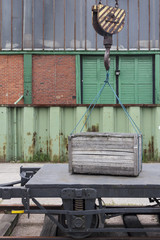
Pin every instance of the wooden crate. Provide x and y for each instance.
(105, 153)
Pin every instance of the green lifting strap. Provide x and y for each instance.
(94, 102)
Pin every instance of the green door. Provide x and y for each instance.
(135, 83)
(94, 75)
(136, 79)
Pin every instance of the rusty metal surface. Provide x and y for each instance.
(54, 22)
(43, 27)
(22, 22)
(127, 24)
(32, 24)
(138, 26)
(149, 23)
(75, 25)
(87, 6)
(64, 25)
(11, 24)
(78, 105)
(43, 130)
(106, 22)
(85, 24)
(109, 19)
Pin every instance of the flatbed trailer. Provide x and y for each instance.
(83, 212)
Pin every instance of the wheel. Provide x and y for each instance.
(78, 235)
(49, 227)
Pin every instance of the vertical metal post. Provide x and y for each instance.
(11, 24)
(54, 24)
(138, 25)
(153, 59)
(22, 21)
(32, 25)
(64, 25)
(149, 14)
(75, 25)
(85, 24)
(15, 132)
(128, 24)
(159, 24)
(0, 24)
(43, 24)
(95, 31)
(117, 78)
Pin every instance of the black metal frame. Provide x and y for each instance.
(80, 222)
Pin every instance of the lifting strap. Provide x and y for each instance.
(94, 102)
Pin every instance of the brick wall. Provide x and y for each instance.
(11, 78)
(54, 79)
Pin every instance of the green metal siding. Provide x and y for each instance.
(135, 84)
(136, 79)
(157, 78)
(27, 79)
(94, 75)
(28, 130)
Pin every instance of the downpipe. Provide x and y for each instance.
(15, 127)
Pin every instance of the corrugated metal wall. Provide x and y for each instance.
(27, 130)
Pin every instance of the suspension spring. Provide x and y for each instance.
(78, 204)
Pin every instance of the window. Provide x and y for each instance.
(67, 25)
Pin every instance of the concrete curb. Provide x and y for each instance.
(8, 223)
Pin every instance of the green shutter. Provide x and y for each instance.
(136, 80)
(27, 79)
(94, 75)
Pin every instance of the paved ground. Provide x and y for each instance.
(33, 226)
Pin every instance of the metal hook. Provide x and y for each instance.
(107, 59)
(107, 43)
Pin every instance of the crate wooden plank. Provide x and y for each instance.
(105, 153)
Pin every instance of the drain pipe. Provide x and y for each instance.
(15, 127)
(19, 99)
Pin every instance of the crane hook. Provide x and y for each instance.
(107, 43)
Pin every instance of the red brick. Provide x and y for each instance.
(11, 78)
(54, 79)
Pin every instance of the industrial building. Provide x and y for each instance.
(51, 68)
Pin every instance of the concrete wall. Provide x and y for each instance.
(27, 130)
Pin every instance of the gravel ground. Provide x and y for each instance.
(29, 227)
(33, 225)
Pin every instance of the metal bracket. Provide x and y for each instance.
(27, 173)
(84, 193)
(12, 192)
